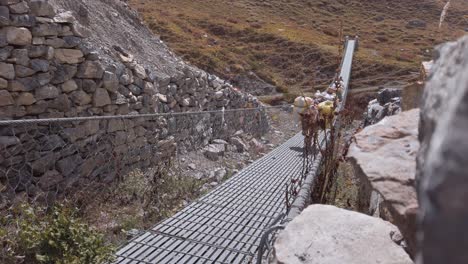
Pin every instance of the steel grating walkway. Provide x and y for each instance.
(225, 225)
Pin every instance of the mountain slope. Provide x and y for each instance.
(294, 44)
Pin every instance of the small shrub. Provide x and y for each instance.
(36, 236)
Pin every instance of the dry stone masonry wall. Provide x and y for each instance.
(49, 69)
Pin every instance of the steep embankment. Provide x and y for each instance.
(293, 44)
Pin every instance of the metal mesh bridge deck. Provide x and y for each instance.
(225, 225)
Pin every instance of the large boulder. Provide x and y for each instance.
(324, 234)
(214, 151)
(443, 159)
(384, 156)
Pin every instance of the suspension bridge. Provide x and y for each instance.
(227, 224)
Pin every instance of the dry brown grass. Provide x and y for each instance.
(293, 44)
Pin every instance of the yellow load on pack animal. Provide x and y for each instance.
(327, 110)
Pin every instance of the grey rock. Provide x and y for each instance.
(47, 92)
(12, 111)
(7, 141)
(20, 56)
(38, 41)
(220, 174)
(38, 108)
(80, 98)
(25, 99)
(80, 31)
(4, 16)
(22, 71)
(56, 43)
(69, 56)
(61, 103)
(87, 85)
(443, 160)
(93, 56)
(40, 65)
(42, 78)
(162, 98)
(134, 89)
(19, 8)
(115, 125)
(7, 71)
(6, 98)
(67, 165)
(3, 42)
(63, 73)
(38, 51)
(240, 144)
(65, 18)
(3, 83)
(120, 99)
(71, 42)
(256, 145)
(49, 180)
(126, 78)
(41, 8)
(90, 70)
(101, 98)
(416, 23)
(19, 36)
(23, 21)
(325, 234)
(219, 141)
(5, 53)
(386, 95)
(110, 81)
(45, 163)
(140, 72)
(69, 86)
(150, 89)
(214, 151)
(384, 157)
(46, 30)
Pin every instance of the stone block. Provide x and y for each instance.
(101, 98)
(7, 71)
(4, 16)
(23, 21)
(41, 8)
(69, 86)
(19, 36)
(20, 56)
(69, 56)
(25, 99)
(90, 70)
(19, 8)
(5, 52)
(22, 71)
(80, 98)
(46, 30)
(67, 165)
(47, 92)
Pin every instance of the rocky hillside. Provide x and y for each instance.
(293, 44)
(95, 58)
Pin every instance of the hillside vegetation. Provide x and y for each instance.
(294, 43)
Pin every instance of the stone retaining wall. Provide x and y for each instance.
(47, 70)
